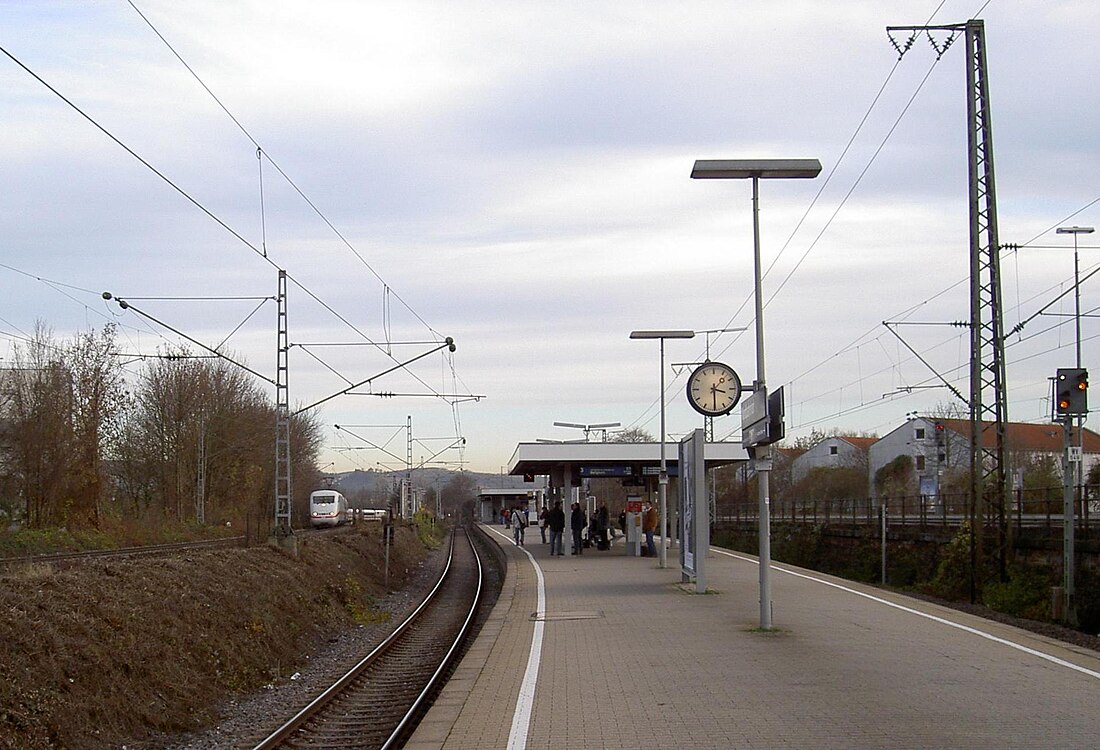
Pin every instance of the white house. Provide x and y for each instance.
(832, 452)
(939, 445)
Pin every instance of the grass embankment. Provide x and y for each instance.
(106, 653)
(112, 534)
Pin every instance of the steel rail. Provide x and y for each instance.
(448, 657)
(291, 726)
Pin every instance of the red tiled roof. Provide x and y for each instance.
(863, 443)
(1039, 438)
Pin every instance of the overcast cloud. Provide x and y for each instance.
(518, 175)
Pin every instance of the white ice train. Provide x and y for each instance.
(327, 508)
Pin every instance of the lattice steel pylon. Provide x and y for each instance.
(282, 421)
(409, 505)
(988, 397)
(200, 473)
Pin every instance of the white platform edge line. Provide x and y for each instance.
(521, 716)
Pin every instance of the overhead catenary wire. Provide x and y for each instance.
(61, 288)
(127, 306)
(263, 154)
(892, 129)
(194, 201)
(859, 341)
(1040, 312)
(208, 212)
(844, 152)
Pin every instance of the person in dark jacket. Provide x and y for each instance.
(555, 520)
(577, 524)
(603, 526)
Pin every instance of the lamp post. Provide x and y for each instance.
(662, 478)
(757, 169)
(1076, 279)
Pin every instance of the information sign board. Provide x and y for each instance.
(776, 411)
(755, 435)
(694, 510)
(754, 409)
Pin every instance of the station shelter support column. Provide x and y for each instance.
(561, 489)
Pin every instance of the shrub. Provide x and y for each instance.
(1025, 594)
(952, 579)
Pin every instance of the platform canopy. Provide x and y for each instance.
(613, 459)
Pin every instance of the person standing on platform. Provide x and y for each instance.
(603, 525)
(649, 525)
(519, 523)
(555, 519)
(576, 523)
(542, 523)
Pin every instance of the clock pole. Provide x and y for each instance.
(761, 454)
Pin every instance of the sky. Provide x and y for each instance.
(516, 176)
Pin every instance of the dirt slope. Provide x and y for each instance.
(101, 653)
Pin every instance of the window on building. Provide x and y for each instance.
(832, 450)
(918, 433)
(920, 463)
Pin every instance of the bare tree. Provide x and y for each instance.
(39, 406)
(632, 435)
(459, 495)
(204, 428)
(98, 397)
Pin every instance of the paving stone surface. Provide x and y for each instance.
(632, 658)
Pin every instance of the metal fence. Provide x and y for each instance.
(1030, 508)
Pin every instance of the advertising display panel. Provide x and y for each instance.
(694, 511)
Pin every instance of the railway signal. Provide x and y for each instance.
(1071, 391)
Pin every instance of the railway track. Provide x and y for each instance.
(378, 702)
(145, 551)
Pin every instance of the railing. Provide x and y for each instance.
(1029, 508)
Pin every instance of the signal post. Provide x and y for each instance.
(1071, 389)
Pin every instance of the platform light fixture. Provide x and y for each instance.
(662, 479)
(756, 170)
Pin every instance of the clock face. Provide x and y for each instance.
(713, 389)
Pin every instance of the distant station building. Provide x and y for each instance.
(567, 465)
(491, 502)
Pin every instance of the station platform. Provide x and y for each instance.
(604, 650)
